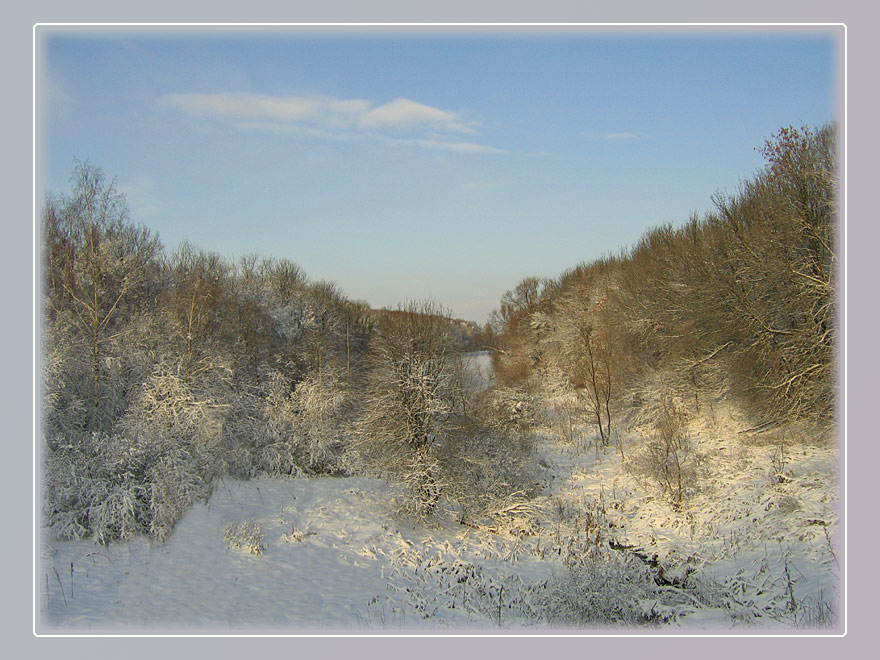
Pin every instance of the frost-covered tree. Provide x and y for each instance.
(98, 268)
(197, 305)
(413, 400)
(323, 325)
(778, 264)
(514, 323)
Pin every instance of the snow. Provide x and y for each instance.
(754, 548)
(350, 547)
(334, 558)
(740, 530)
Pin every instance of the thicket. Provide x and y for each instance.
(424, 427)
(739, 305)
(162, 371)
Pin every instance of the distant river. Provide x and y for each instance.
(479, 367)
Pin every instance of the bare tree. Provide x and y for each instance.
(596, 372)
(97, 265)
(778, 262)
(583, 343)
(283, 278)
(358, 326)
(514, 324)
(197, 303)
(323, 324)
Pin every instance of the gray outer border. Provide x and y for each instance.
(18, 399)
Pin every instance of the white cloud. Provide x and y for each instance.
(281, 128)
(333, 119)
(482, 184)
(460, 147)
(619, 136)
(406, 113)
(143, 203)
(612, 136)
(242, 106)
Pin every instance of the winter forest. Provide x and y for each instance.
(646, 442)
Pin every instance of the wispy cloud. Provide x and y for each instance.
(402, 113)
(611, 136)
(449, 145)
(482, 185)
(233, 106)
(620, 136)
(400, 122)
(141, 196)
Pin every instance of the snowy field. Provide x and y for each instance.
(759, 552)
(331, 558)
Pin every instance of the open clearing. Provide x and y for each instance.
(750, 550)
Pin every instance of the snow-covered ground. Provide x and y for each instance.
(761, 551)
(766, 544)
(331, 553)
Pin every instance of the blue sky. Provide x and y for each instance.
(414, 164)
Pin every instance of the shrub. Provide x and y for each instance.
(245, 535)
(116, 487)
(414, 402)
(669, 458)
(492, 477)
(321, 402)
(510, 412)
(604, 592)
(305, 424)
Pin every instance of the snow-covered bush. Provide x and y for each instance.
(186, 409)
(669, 457)
(305, 424)
(245, 535)
(244, 430)
(492, 478)
(295, 535)
(607, 591)
(176, 481)
(322, 402)
(412, 404)
(142, 477)
(116, 487)
(65, 376)
(511, 411)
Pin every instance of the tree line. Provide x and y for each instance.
(163, 371)
(738, 305)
